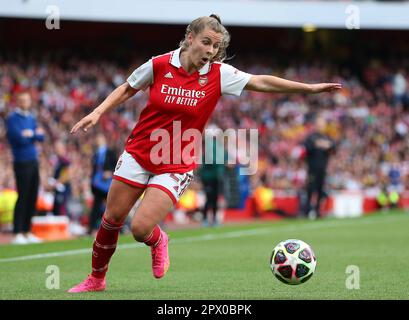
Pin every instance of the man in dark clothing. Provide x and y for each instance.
(22, 133)
(318, 148)
(61, 180)
(103, 165)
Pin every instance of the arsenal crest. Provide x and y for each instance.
(203, 81)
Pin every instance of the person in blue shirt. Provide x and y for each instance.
(22, 134)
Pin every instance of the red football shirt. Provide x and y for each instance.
(165, 139)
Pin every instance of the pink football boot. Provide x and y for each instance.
(160, 257)
(89, 285)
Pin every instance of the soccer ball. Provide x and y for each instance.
(293, 261)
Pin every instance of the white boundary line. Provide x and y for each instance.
(208, 237)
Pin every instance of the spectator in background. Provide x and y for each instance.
(318, 147)
(399, 86)
(103, 165)
(211, 174)
(387, 199)
(22, 133)
(61, 180)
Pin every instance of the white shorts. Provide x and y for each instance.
(129, 171)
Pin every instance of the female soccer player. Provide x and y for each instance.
(184, 87)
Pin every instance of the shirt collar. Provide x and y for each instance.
(102, 149)
(22, 112)
(175, 61)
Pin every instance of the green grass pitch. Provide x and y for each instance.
(228, 262)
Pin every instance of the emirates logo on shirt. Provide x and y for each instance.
(203, 81)
(182, 96)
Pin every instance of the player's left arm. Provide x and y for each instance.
(266, 83)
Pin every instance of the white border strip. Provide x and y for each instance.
(323, 14)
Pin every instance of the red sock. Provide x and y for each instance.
(104, 247)
(154, 238)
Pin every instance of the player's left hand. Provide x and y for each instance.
(325, 87)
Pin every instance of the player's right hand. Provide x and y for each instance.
(87, 122)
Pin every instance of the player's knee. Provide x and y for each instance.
(140, 230)
(114, 216)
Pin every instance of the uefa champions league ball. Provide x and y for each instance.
(293, 261)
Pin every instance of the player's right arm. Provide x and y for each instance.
(118, 96)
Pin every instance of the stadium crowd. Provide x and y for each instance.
(368, 119)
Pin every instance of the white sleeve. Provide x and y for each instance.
(232, 80)
(142, 77)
